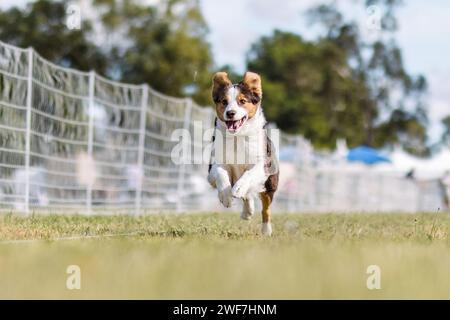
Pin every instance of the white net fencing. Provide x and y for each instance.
(75, 141)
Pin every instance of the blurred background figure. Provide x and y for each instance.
(446, 184)
(410, 174)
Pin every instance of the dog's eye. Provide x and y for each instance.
(242, 101)
(224, 102)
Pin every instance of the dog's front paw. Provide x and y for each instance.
(240, 189)
(225, 196)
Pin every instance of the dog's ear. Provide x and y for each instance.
(220, 82)
(253, 83)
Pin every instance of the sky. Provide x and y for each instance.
(423, 35)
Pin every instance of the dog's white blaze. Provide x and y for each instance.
(233, 105)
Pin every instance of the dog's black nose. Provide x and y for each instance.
(231, 114)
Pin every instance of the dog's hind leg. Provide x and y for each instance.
(266, 199)
(248, 208)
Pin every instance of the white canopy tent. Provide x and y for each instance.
(424, 169)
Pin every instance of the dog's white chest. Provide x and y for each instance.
(247, 152)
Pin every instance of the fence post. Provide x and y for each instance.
(90, 136)
(186, 123)
(140, 161)
(28, 129)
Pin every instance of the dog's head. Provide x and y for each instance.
(236, 103)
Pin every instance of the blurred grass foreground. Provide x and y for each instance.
(209, 256)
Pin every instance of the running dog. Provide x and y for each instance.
(240, 123)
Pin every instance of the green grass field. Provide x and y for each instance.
(218, 256)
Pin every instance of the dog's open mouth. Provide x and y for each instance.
(234, 125)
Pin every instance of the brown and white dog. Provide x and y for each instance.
(241, 122)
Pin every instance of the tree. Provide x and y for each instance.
(393, 99)
(42, 25)
(308, 88)
(403, 129)
(163, 45)
(342, 85)
(446, 135)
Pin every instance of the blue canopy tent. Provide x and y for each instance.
(366, 155)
